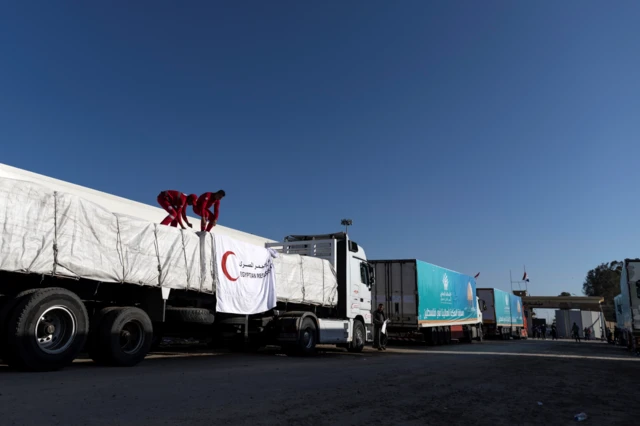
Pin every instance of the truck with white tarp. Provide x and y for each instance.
(75, 275)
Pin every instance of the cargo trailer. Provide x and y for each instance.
(426, 301)
(503, 318)
(628, 303)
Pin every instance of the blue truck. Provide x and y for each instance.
(504, 314)
(426, 301)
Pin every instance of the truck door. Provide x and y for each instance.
(360, 294)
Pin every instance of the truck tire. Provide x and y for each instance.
(124, 337)
(308, 337)
(47, 330)
(95, 351)
(190, 315)
(359, 337)
(447, 335)
(6, 308)
(430, 336)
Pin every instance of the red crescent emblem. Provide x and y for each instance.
(224, 266)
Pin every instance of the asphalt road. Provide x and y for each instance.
(492, 383)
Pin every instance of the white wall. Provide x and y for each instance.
(566, 318)
(118, 204)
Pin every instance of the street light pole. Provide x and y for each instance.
(346, 223)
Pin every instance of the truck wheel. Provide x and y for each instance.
(308, 337)
(96, 352)
(357, 345)
(447, 335)
(124, 337)
(47, 330)
(7, 307)
(430, 336)
(190, 315)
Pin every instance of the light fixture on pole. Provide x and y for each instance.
(346, 223)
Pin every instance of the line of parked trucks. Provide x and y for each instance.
(113, 287)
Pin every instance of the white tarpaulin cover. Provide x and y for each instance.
(47, 232)
(246, 278)
(304, 279)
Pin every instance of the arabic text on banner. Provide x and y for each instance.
(246, 277)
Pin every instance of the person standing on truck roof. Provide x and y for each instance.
(201, 208)
(379, 338)
(175, 203)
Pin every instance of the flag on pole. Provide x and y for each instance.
(525, 277)
(477, 275)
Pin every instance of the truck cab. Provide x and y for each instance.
(348, 323)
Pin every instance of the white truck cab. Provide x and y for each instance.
(348, 323)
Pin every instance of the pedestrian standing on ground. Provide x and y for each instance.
(576, 332)
(379, 338)
(554, 332)
(544, 331)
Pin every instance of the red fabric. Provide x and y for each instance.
(175, 203)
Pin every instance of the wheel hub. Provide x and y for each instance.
(131, 337)
(56, 329)
(49, 329)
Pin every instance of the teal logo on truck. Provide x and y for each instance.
(445, 296)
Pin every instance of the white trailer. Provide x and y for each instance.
(75, 276)
(628, 303)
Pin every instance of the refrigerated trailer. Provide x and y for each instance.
(427, 301)
(75, 276)
(504, 316)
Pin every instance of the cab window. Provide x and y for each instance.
(364, 273)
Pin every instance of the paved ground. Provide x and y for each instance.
(493, 383)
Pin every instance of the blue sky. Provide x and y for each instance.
(479, 136)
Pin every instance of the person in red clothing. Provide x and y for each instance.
(175, 203)
(202, 205)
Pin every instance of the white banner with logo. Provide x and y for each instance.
(246, 277)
